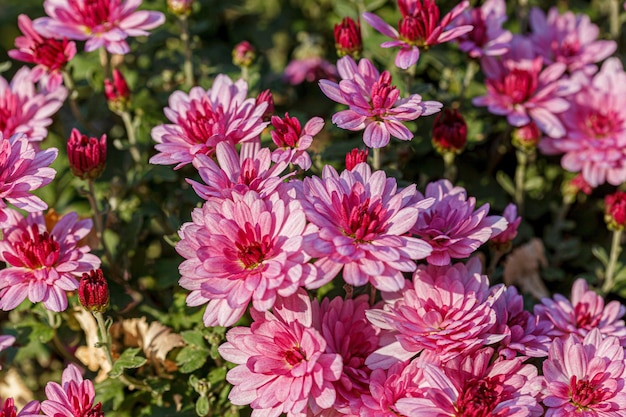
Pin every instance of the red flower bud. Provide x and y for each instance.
(348, 39)
(615, 210)
(527, 136)
(93, 291)
(87, 155)
(449, 132)
(180, 7)
(117, 91)
(265, 96)
(287, 131)
(244, 54)
(571, 188)
(355, 157)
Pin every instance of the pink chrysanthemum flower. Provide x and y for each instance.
(24, 109)
(23, 168)
(448, 311)
(520, 88)
(50, 55)
(504, 239)
(99, 22)
(281, 362)
(42, 264)
(585, 377)
(309, 69)
(74, 397)
(360, 223)
(488, 38)
(375, 104)
(595, 139)
(420, 27)
(202, 119)
(451, 225)
(348, 333)
(293, 140)
(586, 311)
(8, 409)
(243, 249)
(568, 38)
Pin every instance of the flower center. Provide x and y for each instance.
(95, 12)
(601, 125)
(568, 47)
(479, 398)
(250, 251)
(478, 35)
(584, 318)
(519, 85)
(96, 411)
(585, 393)
(38, 252)
(361, 221)
(295, 355)
(418, 24)
(201, 122)
(10, 113)
(51, 53)
(383, 94)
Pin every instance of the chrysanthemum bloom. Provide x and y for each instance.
(360, 223)
(585, 377)
(355, 157)
(474, 386)
(73, 397)
(451, 225)
(615, 210)
(502, 241)
(487, 38)
(448, 311)
(348, 333)
(281, 362)
(348, 40)
(87, 155)
(449, 132)
(568, 38)
(595, 138)
(420, 28)
(8, 409)
(50, 55)
(293, 141)
(243, 249)
(202, 119)
(308, 69)
(520, 88)
(99, 22)
(23, 168)
(24, 109)
(117, 92)
(250, 169)
(42, 264)
(375, 104)
(585, 312)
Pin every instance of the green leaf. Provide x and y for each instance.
(600, 253)
(505, 182)
(217, 375)
(203, 406)
(110, 390)
(127, 360)
(194, 337)
(191, 358)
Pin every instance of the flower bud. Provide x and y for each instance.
(503, 241)
(180, 7)
(615, 210)
(449, 132)
(87, 155)
(526, 137)
(117, 92)
(244, 54)
(286, 131)
(571, 188)
(265, 96)
(93, 291)
(355, 157)
(348, 39)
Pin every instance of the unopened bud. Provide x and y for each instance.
(526, 137)
(93, 291)
(244, 54)
(615, 210)
(265, 96)
(449, 132)
(355, 157)
(348, 40)
(117, 92)
(87, 156)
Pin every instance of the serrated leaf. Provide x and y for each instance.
(600, 253)
(194, 337)
(127, 360)
(110, 390)
(191, 358)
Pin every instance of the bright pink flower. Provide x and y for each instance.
(348, 40)
(308, 69)
(355, 157)
(359, 225)
(50, 55)
(585, 377)
(87, 155)
(42, 264)
(585, 312)
(595, 138)
(375, 104)
(243, 249)
(293, 141)
(487, 38)
(420, 27)
(8, 409)
(266, 96)
(451, 225)
(99, 22)
(281, 362)
(74, 397)
(615, 210)
(448, 311)
(117, 92)
(507, 236)
(23, 168)
(202, 119)
(568, 38)
(23, 109)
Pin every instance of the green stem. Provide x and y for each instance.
(132, 137)
(616, 248)
(449, 167)
(376, 159)
(188, 63)
(99, 226)
(470, 71)
(73, 96)
(520, 177)
(614, 24)
(104, 61)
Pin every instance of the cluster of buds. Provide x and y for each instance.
(348, 40)
(527, 137)
(615, 210)
(117, 92)
(449, 132)
(87, 156)
(93, 291)
(244, 54)
(355, 157)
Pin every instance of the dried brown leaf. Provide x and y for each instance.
(522, 268)
(93, 357)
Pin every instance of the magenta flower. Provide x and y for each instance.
(41, 264)
(202, 119)
(586, 311)
(74, 397)
(568, 38)
(359, 225)
(23, 168)
(451, 225)
(281, 362)
(505, 238)
(8, 409)
(50, 55)
(585, 377)
(595, 138)
(241, 250)
(375, 104)
(309, 69)
(293, 141)
(420, 27)
(99, 22)
(487, 38)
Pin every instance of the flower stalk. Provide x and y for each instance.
(616, 249)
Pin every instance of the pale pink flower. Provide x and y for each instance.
(507, 236)
(73, 397)
(99, 22)
(420, 27)
(293, 140)
(42, 264)
(568, 38)
(585, 377)
(202, 119)
(488, 38)
(585, 312)
(8, 409)
(359, 225)
(281, 362)
(23, 168)
(452, 226)
(375, 104)
(5, 342)
(448, 311)
(309, 69)
(595, 129)
(24, 109)
(243, 249)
